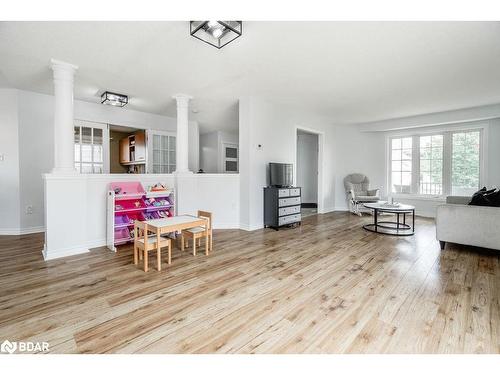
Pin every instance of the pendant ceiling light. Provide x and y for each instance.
(216, 33)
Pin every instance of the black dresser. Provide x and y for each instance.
(281, 206)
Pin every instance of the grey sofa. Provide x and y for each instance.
(457, 222)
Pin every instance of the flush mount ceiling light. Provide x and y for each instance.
(216, 33)
(115, 99)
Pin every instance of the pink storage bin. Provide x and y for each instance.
(129, 204)
(135, 216)
(127, 190)
(122, 235)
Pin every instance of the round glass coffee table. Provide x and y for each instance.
(394, 228)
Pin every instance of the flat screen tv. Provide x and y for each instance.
(280, 174)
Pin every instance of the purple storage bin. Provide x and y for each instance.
(121, 220)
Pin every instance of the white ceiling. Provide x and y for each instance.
(350, 71)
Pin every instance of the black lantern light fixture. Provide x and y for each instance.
(112, 98)
(216, 33)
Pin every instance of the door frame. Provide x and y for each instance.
(321, 138)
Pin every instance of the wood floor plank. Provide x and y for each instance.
(327, 286)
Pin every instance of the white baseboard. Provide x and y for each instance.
(20, 231)
(60, 253)
(226, 226)
(96, 243)
(250, 228)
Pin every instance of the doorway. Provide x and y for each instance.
(307, 170)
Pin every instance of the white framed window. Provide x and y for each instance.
(436, 164)
(401, 164)
(91, 147)
(161, 146)
(465, 162)
(230, 158)
(431, 164)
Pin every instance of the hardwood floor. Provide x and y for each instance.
(325, 287)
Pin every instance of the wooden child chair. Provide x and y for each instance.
(144, 242)
(197, 233)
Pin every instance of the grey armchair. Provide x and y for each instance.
(357, 187)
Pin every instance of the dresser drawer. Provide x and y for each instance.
(288, 202)
(288, 219)
(295, 192)
(289, 210)
(283, 193)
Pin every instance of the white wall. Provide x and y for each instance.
(212, 150)
(31, 116)
(358, 152)
(9, 166)
(274, 127)
(76, 205)
(209, 152)
(494, 153)
(307, 166)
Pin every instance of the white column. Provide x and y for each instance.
(64, 157)
(182, 145)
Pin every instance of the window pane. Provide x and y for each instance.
(425, 141)
(465, 163)
(396, 166)
(164, 142)
(156, 156)
(425, 153)
(77, 152)
(437, 141)
(97, 140)
(231, 152)
(171, 143)
(401, 164)
(172, 157)
(156, 142)
(86, 153)
(86, 135)
(86, 167)
(406, 155)
(396, 143)
(98, 154)
(406, 181)
(98, 168)
(407, 142)
(231, 166)
(437, 153)
(406, 166)
(431, 164)
(396, 155)
(425, 165)
(77, 134)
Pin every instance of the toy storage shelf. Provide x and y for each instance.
(128, 202)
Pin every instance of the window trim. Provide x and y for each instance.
(447, 131)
